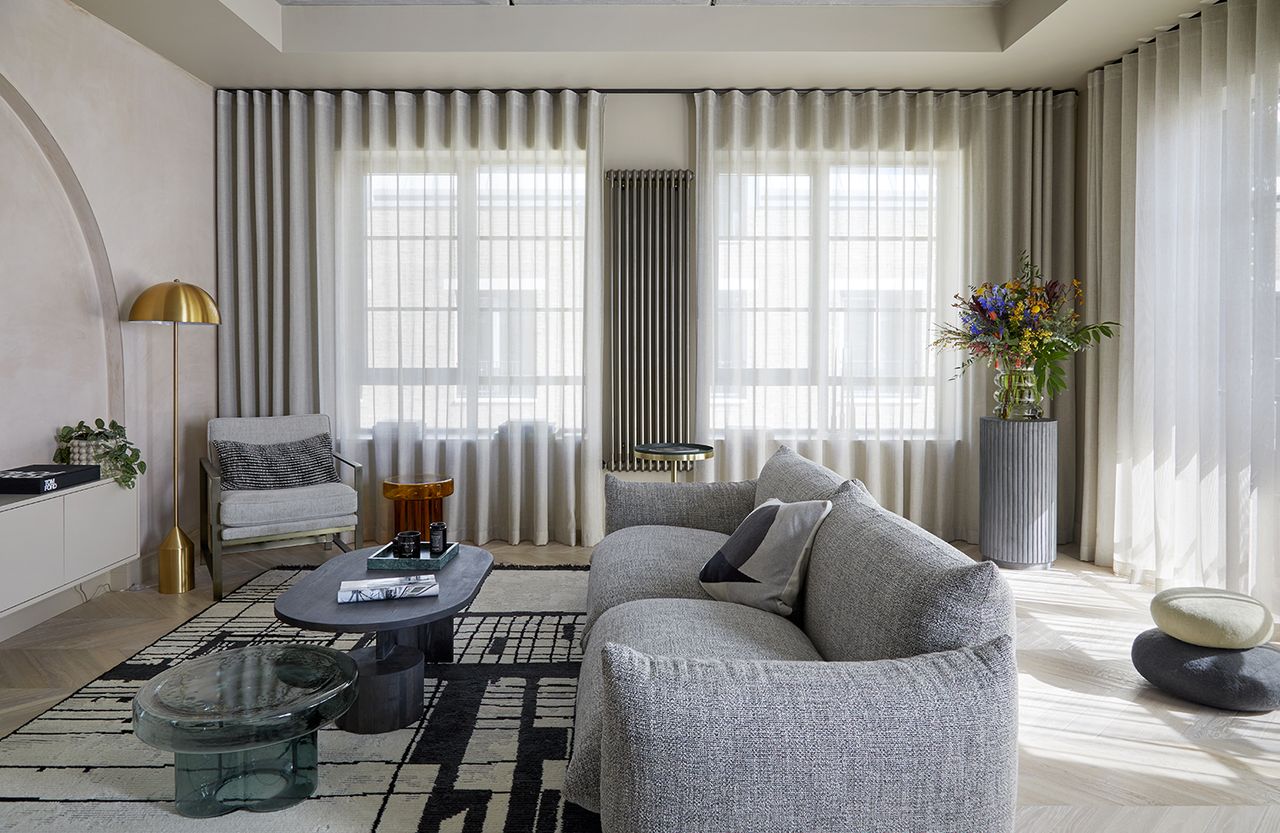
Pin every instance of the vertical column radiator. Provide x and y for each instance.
(650, 366)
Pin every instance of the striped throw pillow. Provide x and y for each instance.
(288, 465)
(764, 561)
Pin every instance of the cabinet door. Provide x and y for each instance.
(102, 528)
(30, 551)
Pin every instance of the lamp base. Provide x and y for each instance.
(177, 563)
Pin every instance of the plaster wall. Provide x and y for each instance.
(107, 157)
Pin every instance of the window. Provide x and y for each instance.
(825, 299)
(474, 297)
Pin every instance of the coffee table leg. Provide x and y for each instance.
(436, 640)
(390, 683)
(263, 779)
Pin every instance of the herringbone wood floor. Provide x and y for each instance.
(1100, 750)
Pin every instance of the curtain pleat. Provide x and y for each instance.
(1180, 463)
(834, 229)
(424, 267)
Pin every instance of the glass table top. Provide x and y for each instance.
(244, 697)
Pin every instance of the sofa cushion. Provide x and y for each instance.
(880, 587)
(252, 507)
(927, 744)
(716, 506)
(1212, 618)
(647, 562)
(667, 627)
(762, 563)
(791, 478)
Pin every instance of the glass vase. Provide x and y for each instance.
(1016, 395)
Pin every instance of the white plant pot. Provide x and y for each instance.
(87, 452)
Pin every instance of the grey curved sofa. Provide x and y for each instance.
(888, 702)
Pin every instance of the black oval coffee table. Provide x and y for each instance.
(408, 631)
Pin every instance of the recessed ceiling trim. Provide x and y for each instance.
(263, 16)
(660, 29)
(885, 3)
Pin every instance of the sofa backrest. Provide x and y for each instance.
(791, 478)
(880, 587)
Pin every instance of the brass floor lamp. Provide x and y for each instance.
(176, 303)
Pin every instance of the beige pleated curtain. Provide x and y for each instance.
(424, 267)
(1180, 465)
(834, 229)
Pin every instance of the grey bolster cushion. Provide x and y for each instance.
(926, 744)
(719, 507)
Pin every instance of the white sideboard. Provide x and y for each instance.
(56, 540)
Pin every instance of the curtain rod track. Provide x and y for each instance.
(648, 90)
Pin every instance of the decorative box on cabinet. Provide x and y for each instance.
(59, 539)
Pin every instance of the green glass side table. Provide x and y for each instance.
(242, 724)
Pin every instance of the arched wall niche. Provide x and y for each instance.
(58, 306)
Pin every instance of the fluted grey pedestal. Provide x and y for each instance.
(1019, 515)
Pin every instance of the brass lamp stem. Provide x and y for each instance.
(176, 327)
(177, 553)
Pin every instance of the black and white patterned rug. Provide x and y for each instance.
(488, 755)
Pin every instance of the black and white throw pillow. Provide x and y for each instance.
(288, 465)
(763, 562)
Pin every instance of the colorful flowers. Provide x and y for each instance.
(1026, 322)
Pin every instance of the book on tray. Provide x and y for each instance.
(381, 589)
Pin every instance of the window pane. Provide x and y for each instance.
(837, 344)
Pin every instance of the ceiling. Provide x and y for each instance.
(617, 44)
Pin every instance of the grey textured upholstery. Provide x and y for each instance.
(647, 562)
(254, 507)
(232, 534)
(267, 430)
(926, 744)
(727, 718)
(716, 506)
(791, 478)
(683, 627)
(880, 587)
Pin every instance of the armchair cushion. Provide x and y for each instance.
(254, 507)
(232, 534)
(291, 464)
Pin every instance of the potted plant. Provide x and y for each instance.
(103, 444)
(1025, 328)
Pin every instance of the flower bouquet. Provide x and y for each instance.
(1024, 328)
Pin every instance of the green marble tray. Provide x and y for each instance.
(385, 559)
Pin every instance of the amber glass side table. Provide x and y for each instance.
(417, 500)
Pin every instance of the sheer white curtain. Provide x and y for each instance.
(1181, 479)
(467, 337)
(834, 230)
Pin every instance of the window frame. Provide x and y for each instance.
(465, 377)
(820, 167)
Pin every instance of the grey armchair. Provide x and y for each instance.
(241, 520)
